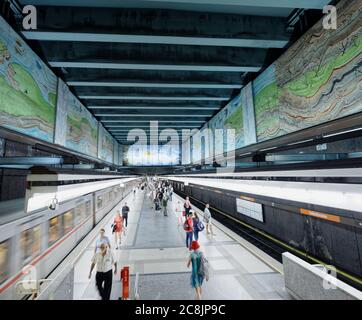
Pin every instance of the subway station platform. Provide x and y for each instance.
(154, 247)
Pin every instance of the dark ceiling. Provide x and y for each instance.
(175, 61)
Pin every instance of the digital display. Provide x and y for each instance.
(161, 155)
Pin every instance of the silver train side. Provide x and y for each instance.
(43, 239)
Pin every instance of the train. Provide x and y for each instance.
(319, 222)
(44, 238)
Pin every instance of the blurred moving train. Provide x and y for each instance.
(45, 237)
(315, 214)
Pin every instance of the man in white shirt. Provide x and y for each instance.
(104, 260)
(207, 219)
(100, 240)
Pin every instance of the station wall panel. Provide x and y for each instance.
(28, 88)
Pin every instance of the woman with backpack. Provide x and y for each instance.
(189, 229)
(199, 268)
(198, 226)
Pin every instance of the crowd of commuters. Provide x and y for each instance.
(160, 194)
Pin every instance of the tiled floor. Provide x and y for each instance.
(154, 247)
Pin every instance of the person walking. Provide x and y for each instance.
(170, 192)
(104, 260)
(102, 239)
(164, 205)
(199, 268)
(125, 211)
(207, 219)
(187, 206)
(189, 229)
(198, 226)
(117, 228)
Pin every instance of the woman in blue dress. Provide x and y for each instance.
(195, 261)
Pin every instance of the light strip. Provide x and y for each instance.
(153, 85)
(132, 38)
(153, 108)
(343, 132)
(152, 115)
(113, 128)
(165, 121)
(155, 98)
(333, 195)
(299, 142)
(141, 66)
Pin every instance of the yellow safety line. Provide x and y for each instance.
(353, 278)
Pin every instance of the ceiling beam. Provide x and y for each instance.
(153, 85)
(147, 121)
(306, 4)
(152, 115)
(155, 26)
(184, 126)
(152, 76)
(155, 98)
(150, 108)
(143, 66)
(124, 38)
(133, 56)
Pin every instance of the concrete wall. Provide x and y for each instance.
(307, 282)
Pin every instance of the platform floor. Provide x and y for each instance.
(154, 246)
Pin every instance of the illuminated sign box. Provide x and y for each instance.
(250, 209)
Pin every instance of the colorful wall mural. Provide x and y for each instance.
(105, 144)
(317, 80)
(28, 88)
(76, 128)
(115, 152)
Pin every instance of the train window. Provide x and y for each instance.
(30, 242)
(54, 229)
(80, 213)
(68, 221)
(4, 260)
(88, 208)
(106, 198)
(99, 202)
